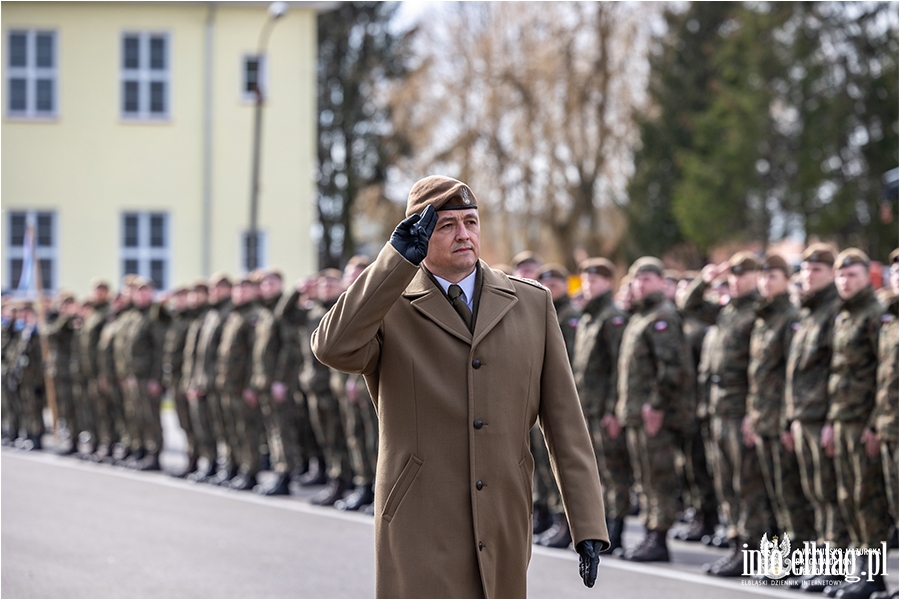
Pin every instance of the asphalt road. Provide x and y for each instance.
(70, 529)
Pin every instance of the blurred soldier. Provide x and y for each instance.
(142, 351)
(770, 343)
(359, 418)
(738, 477)
(547, 500)
(114, 435)
(27, 374)
(233, 371)
(623, 296)
(173, 369)
(595, 365)
(12, 414)
(525, 264)
(323, 405)
(60, 334)
(851, 389)
(808, 371)
(655, 373)
(96, 313)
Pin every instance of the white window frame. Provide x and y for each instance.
(31, 73)
(144, 253)
(144, 76)
(42, 252)
(262, 250)
(263, 75)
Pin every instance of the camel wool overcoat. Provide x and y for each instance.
(453, 498)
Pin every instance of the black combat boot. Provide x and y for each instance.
(652, 549)
(703, 524)
(862, 588)
(314, 476)
(333, 492)
(277, 486)
(731, 565)
(241, 482)
(360, 497)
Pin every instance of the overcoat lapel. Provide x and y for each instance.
(498, 296)
(425, 297)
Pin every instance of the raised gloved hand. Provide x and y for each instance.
(589, 551)
(410, 237)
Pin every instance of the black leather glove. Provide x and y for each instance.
(410, 237)
(589, 551)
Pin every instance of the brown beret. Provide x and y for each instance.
(647, 264)
(128, 279)
(819, 253)
(359, 260)
(743, 262)
(200, 284)
(218, 278)
(272, 272)
(332, 273)
(894, 256)
(525, 256)
(443, 193)
(181, 290)
(99, 282)
(598, 266)
(553, 271)
(851, 256)
(773, 262)
(66, 296)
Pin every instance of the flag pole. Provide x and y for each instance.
(49, 385)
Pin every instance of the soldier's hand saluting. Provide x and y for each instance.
(411, 236)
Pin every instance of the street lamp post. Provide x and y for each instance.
(276, 11)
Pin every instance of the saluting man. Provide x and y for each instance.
(461, 361)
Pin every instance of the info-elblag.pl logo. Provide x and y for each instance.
(775, 560)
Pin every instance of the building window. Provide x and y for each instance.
(19, 256)
(262, 254)
(31, 74)
(145, 76)
(253, 72)
(145, 246)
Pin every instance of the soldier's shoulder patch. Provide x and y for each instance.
(618, 321)
(886, 318)
(573, 322)
(660, 325)
(536, 284)
(795, 325)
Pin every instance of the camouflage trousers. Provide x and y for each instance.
(361, 428)
(183, 410)
(280, 420)
(224, 425)
(248, 430)
(305, 443)
(739, 482)
(107, 419)
(653, 462)
(144, 424)
(325, 415)
(12, 413)
(202, 425)
(616, 473)
(545, 493)
(83, 406)
(65, 404)
(23, 409)
(861, 494)
(889, 464)
(782, 476)
(817, 475)
(699, 488)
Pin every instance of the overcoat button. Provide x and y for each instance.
(480, 546)
(478, 424)
(476, 364)
(478, 485)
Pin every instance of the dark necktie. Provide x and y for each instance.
(455, 293)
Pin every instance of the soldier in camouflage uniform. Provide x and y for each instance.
(60, 334)
(738, 477)
(852, 388)
(27, 373)
(88, 353)
(173, 370)
(233, 373)
(198, 408)
(312, 470)
(770, 343)
(886, 400)
(655, 375)
(12, 328)
(324, 408)
(546, 495)
(114, 435)
(595, 366)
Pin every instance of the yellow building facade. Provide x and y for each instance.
(127, 139)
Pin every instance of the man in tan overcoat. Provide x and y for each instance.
(458, 383)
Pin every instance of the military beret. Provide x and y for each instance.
(553, 271)
(773, 262)
(525, 256)
(128, 279)
(219, 278)
(200, 284)
(251, 278)
(443, 193)
(894, 256)
(672, 274)
(272, 272)
(359, 260)
(851, 256)
(141, 282)
(819, 253)
(647, 264)
(182, 290)
(332, 273)
(99, 282)
(598, 266)
(65, 296)
(743, 262)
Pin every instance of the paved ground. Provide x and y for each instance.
(71, 529)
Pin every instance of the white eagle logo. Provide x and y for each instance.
(775, 557)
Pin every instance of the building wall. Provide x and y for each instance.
(90, 165)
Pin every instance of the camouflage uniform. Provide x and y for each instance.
(737, 474)
(11, 404)
(770, 343)
(655, 368)
(886, 402)
(111, 412)
(141, 353)
(89, 356)
(851, 387)
(173, 372)
(27, 372)
(595, 365)
(60, 334)
(808, 368)
(233, 372)
(360, 424)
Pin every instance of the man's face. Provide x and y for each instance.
(772, 283)
(851, 279)
(143, 296)
(558, 287)
(594, 285)
(670, 288)
(101, 294)
(738, 285)
(455, 244)
(528, 269)
(646, 283)
(329, 288)
(815, 276)
(198, 297)
(180, 301)
(271, 287)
